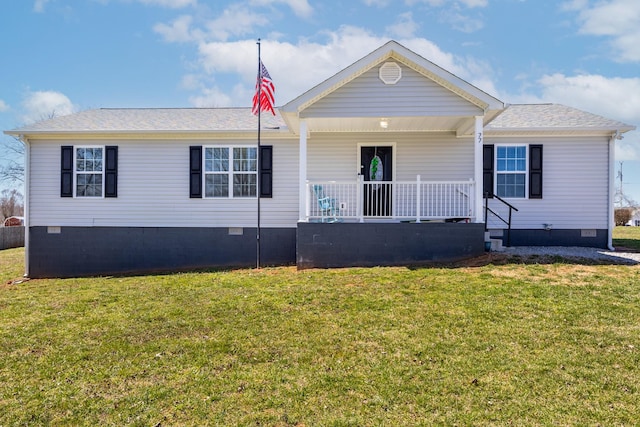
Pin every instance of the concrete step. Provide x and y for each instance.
(496, 245)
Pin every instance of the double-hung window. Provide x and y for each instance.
(230, 172)
(511, 171)
(89, 171)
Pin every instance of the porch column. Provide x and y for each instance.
(302, 178)
(477, 175)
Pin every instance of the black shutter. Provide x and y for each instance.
(487, 170)
(535, 171)
(266, 171)
(111, 171)
(195, 171)
(66, 171)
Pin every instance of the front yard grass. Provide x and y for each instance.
(627, 237)
(514, 344)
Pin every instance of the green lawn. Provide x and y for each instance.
(628, 237)
(514, 344)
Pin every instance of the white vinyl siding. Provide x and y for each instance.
(153, 189)
(153, 180)
(575, 182)
(413, 95)
(434, 157)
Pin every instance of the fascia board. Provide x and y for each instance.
(558, 131)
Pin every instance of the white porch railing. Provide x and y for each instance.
(331, 201)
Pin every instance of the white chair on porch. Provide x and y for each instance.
(329, 207)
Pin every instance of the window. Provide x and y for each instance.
(89, 171)
(227, 172)
(509, 168)
(511, 171)
(230, 171)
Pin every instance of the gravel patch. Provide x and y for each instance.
(575, 253)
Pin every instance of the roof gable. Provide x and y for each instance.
(393, 51)
(409, 94)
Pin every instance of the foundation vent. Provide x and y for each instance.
(390, 73)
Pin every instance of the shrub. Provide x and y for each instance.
(623, 215)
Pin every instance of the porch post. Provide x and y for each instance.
(302, 178)
(359, 198)
(477, 175)
(418, 198)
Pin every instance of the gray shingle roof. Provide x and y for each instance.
(157, 120)
(552, 117)
(526, 117)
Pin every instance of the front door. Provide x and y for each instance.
(376, 164)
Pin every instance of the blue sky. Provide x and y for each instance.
(71, 55)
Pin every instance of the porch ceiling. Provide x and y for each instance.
(460, 125)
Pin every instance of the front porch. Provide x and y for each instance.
(390, 163)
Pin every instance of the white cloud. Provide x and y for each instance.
(456, 13)
(475, 3)
(41, 105)
(38, 5)
(3, 106)
(617, 19)
(462, 22)
(301, 8)
(178, 31)
(236, 20)
(615, 98)
(450, 3)
(628, 149)
(296, 68)
(211, 98)
(574, 5)
(378, 3)
(173, 4)
(404, 27)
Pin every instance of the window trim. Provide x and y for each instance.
(76, 172)
(230, 172)
(524, 173)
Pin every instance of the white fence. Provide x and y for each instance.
(403, 200)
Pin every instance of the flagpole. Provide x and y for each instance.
(258, 158)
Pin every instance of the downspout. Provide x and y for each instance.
(27, 201)
(612, 166)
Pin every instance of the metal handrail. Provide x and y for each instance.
(487, 209)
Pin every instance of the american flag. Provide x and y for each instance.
(263, 99)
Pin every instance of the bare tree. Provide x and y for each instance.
(11, 204)
(12, 171)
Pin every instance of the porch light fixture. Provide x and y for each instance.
(384, 123)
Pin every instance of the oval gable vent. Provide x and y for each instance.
(390, 73)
